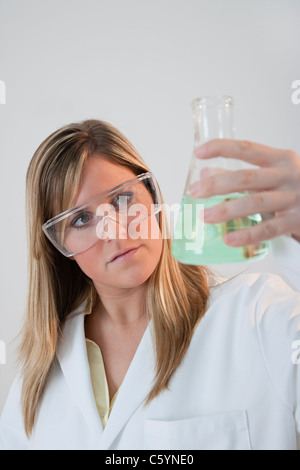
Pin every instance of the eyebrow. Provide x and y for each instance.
(107, 193)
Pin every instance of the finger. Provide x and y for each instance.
(240, 180)
(254, 153)
(259, 203)
(262, 232)
(211, 171)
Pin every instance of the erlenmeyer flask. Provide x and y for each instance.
(196, 242)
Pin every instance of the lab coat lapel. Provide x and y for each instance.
(72, 356)
(134, 389)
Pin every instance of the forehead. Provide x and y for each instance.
(99, 174)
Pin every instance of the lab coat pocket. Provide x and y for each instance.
(222, 431)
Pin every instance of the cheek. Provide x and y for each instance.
(153, 249)
(150, 254)
(140, 228)
(89, 262)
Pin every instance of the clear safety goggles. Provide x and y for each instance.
(118, 213)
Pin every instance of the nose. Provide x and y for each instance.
(109, 228)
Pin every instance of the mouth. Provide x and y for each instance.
(123, 255)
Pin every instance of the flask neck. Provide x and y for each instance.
(213, 118)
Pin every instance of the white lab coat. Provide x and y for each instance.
(238, 386)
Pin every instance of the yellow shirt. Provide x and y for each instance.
(98, 376)
(99, 381)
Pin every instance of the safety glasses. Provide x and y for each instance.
(120, 212)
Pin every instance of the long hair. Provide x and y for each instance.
(177, 294)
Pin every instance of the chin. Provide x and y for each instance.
(134, 278)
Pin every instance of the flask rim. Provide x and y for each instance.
(212, 100)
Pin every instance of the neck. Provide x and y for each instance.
(121, 307)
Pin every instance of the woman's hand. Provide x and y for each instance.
(274, 187)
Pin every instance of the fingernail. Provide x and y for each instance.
(231, 237)
(194, 189)
(208, 213)
(200, 151)
(205, 172)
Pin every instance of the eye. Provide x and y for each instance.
(81, 220)
(122, 199)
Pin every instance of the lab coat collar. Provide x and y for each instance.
(73, 360)
(72, 356)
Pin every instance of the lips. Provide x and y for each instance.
(122, 254)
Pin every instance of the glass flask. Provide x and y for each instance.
(196, 242)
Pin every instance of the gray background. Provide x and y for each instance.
(137, 64)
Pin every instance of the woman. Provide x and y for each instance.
(125, 348)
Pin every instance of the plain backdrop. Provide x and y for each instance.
(136, 64)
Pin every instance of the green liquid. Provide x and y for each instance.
(195, 242)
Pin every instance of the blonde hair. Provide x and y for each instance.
(177, 294)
